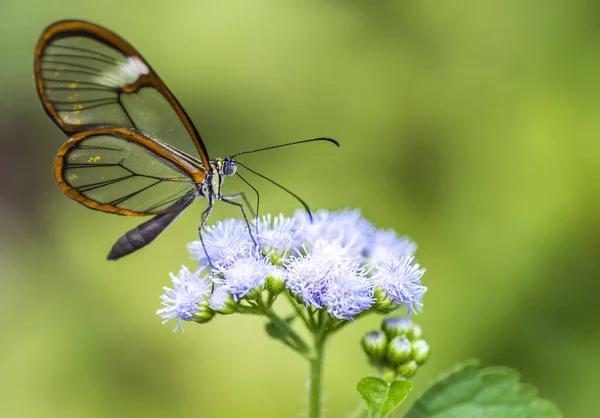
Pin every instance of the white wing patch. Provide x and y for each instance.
(124, 74)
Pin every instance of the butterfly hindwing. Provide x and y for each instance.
(121, 171)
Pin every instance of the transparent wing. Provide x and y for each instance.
(120, 171)
(88, 77)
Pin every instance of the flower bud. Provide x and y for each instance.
(398, 350)
(254, 293)
(396, 326)
(222, 302)
(375, 344)
(415, 333)
(388, 375)
(203, 314)
(420, 351)
(275, 282)
(383, 304)
(407, 370)
(277, 258)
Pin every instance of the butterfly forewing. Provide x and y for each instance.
(88, 77)
(120, 171)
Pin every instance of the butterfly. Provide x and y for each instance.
(133, 150)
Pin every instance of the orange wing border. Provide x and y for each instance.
(67, 28)
(127, 134)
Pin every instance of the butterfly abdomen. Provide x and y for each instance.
(141, 236)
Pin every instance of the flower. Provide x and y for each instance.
(220, 298)
(309, 275)
(385, 243)
(400, 278)
(339, 262)
(347, 227)
(279, 234)
(328, 276)
(244, 274)
(349, 292)
(183, 301)
(224, 242)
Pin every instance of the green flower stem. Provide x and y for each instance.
(316, 365)
(298, 310)
(298, 343)
(312, 323)
(250, 309)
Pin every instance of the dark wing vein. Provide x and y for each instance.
(82, 108)
(88, 101)
(106, 61)
(97, 147)
(72, 64)
(172, 198)
(74, 48)
(99, 184)
(81, 89)
(83, 72)
(132, 194)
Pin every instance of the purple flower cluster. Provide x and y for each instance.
(181, 302)
(339, 262)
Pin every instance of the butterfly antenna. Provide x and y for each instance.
(281, 187)
(333, 141)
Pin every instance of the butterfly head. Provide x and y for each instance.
(229, 166)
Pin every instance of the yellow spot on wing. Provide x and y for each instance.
(73, 85)
(77, 106)
(73, 176)
(93, 159)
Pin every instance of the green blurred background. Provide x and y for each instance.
(473, 127)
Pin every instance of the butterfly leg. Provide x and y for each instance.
(227, 199)
(205, 216)
(255, 216)
(246, 201)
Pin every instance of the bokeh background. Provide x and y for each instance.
(472, 127)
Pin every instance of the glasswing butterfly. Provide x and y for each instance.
(133, 150)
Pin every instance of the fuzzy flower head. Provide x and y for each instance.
(309, 275)
(338, 263)
(384, 244)
(280, 235)
(243, 275)
(349, 292)
(183, 301)
(223, 242)
(346, 227)
(400, 279)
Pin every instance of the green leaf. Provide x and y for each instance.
(468, 391)
(381, 397)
